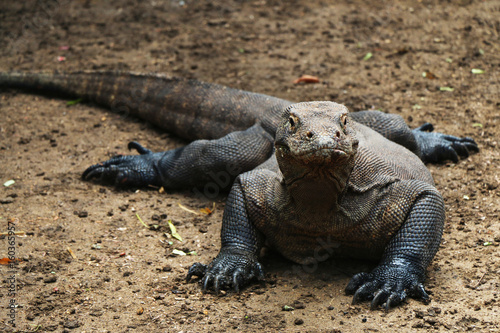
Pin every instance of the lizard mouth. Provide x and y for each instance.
(323, 152)
(310, 157)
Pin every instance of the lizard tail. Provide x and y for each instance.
(190, 109)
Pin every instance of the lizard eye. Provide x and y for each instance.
(292, 122)
(344, 120)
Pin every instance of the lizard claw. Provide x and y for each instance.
(387, 284)
(231, 268)
(127, 171)
(437, 147)
(137, 146)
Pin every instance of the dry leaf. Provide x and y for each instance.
(6, 261)
(207, 210)
(306, 79)
(187, 209)
(71, 253)
(429, 75)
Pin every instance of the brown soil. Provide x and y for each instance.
(123, 276)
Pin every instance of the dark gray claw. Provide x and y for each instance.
(387, 284)
(232, 268)
(437, 147)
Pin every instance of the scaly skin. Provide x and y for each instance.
(335, 183)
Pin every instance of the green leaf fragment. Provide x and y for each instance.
(9, 183)
(76, 101)
(288, 308)
(449, 60)
(178, 252)
(446, 89)
(477, 71)
(487, 243)
(477, 125)
(192, 253)
(367, 56)
(416, 107)
(173, 231)
(481, 51)
(140, 220)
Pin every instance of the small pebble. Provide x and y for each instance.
(50, 279)
(299, 305)
(298, 321)
(71, 324)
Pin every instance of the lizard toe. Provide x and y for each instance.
(197, 269)
(380, 297)
(219, 283)
(365, 292)
(139, 148)
(356, 281)
(207, 282)
(395, 299)
(418, 292)
(238, 279)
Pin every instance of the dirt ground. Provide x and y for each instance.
(89, 265)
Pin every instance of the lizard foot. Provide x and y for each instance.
(127, 171)
(437, 147)
(231, 268)
(389, 284)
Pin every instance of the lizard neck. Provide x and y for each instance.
(318, 191)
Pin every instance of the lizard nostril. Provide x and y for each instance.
(337, 134)
(309, 134)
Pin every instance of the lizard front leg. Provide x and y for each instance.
(401, 272)
(196, 164)
(431, 147)
(237, 262)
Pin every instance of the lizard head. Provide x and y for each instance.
(316, 140)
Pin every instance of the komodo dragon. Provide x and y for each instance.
(309, 179)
